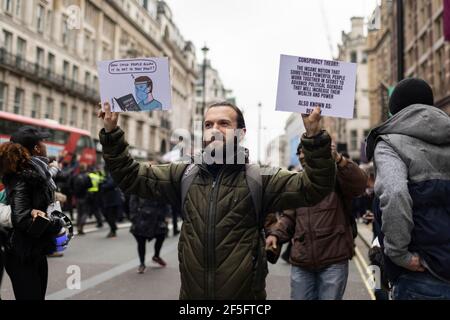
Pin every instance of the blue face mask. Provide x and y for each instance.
(142, 92)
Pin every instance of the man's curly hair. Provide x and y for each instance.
(13, 158)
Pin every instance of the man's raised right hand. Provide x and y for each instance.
(110, 119)
(271, 242)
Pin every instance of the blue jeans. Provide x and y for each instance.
(325, 284)
(420, 286)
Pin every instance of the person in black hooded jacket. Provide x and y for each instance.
(29, 191)
(148, 219)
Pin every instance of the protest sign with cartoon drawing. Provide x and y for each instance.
(135, 84)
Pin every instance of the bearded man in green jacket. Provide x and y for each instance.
(221, 250)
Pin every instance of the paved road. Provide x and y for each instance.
(108, 271)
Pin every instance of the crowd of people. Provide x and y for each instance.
(33, 186)
(236, 216)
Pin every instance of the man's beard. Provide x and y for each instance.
(225, 153)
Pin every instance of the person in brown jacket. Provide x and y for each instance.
(321, 236)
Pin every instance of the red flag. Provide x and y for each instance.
(447, 19)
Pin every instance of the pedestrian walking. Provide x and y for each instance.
(148, 218)
(93, 196)
(411, 154)
(111, 203)
(321, 235)
(80, 183)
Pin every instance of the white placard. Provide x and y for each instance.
(304, 83)
(141, 84)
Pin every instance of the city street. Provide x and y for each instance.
(108, 271)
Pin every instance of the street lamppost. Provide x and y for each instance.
(400, 40)
(205, 50)
(259, 132)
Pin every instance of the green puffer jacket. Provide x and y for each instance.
(221, 249)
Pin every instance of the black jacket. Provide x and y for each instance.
(148, 217)
(26, 191)
(110, 193)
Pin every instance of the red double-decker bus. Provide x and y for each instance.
(64, 140)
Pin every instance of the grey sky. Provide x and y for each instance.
(246, 38)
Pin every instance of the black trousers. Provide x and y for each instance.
(82, 212)
(159, 239)
(94, 201)
(111, 216)
(29, 280)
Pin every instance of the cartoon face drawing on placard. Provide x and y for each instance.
(144, 94)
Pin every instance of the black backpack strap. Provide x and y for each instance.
(189, 174)
(254, 182)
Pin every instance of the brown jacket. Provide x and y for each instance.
(322, 234)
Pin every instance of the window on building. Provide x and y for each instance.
(84, 120)
(108, 28)
(40, 14)
(438, 28)
(19, 8)
(40, 57)
(7, 37)
(63, 113)
(354, 140)
(7, 6)
(74, 116)
(49, 21)
(140, 134)
(18, 101)
(66, 67)
(87, 79)
(21, 50)
(3, 93)
(49, 109)
(75, 73)
(354, 56)
(364, 58)
(106, 52)
(65, 32)
(87, 46)
(36, 106)
(441, 71)
(95, 85)
(51, 62)
(93, 123)
(91, 14)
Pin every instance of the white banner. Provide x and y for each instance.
(135, 84)
(304, 83)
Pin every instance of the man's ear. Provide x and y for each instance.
(242, 133)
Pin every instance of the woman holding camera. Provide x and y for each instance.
(29, 191)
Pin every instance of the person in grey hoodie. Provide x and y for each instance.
(411, 152)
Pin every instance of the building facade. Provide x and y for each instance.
(276, 152)
(293, 129)
(350, 135)
(381, 61)
(48, 56)
(207, 93)
(426, 53)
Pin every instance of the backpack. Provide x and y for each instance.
(254, 182)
